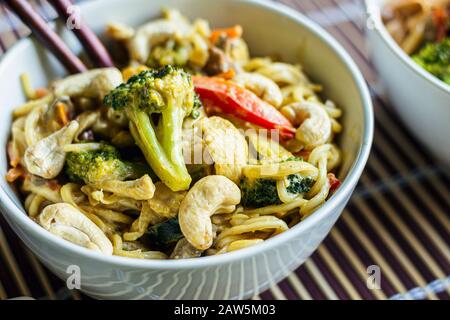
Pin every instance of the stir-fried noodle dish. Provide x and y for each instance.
(192, 148)
(422, 29)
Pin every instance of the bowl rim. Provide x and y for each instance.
(13, 212)
(373, 12)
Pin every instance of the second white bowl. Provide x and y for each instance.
(421, 100)
(268, 29)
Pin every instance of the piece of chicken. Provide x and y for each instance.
(226, 145)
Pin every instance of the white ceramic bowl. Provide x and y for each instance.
(422, 101)
(268, 28)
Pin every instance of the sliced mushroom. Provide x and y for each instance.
(226, 145)
(184, 250)
(211, 195)
(94, 83)
(217, 62)
(65, 221)
(46, 158)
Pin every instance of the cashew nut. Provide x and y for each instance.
(65, 221)
(262, 86)
(94, 83)
(119, 31)
(157, 31)
(283, 73)
(46, 158)
(315, 127)
(211, 195)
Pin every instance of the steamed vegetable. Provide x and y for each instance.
(257, 193)
(435, 58)
(233, 99)
(299, 184)
(165, 233)
(169, 53)
(198, 171)
(100, 165)
(167, 92)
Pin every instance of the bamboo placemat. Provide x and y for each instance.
(398, 218)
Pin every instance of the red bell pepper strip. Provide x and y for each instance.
(334, 182)
(440, 20)
(232, 99)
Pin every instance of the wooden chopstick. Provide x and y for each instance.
(93, 46)
(46, 35)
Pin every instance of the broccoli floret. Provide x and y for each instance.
(195, 113)
(164, 234)
(299, 184)
(169, 93)
(257, 193)
(435, 58)
(171, 52)
(100, 165)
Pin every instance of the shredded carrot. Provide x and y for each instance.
(40, 93)
(233, 32)
(227, 75)
(54, 185)
(61, 113)
(14, 174)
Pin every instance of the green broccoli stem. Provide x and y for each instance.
(172, 141)
(142, 130)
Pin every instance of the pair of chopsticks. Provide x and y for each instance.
(96, 51)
